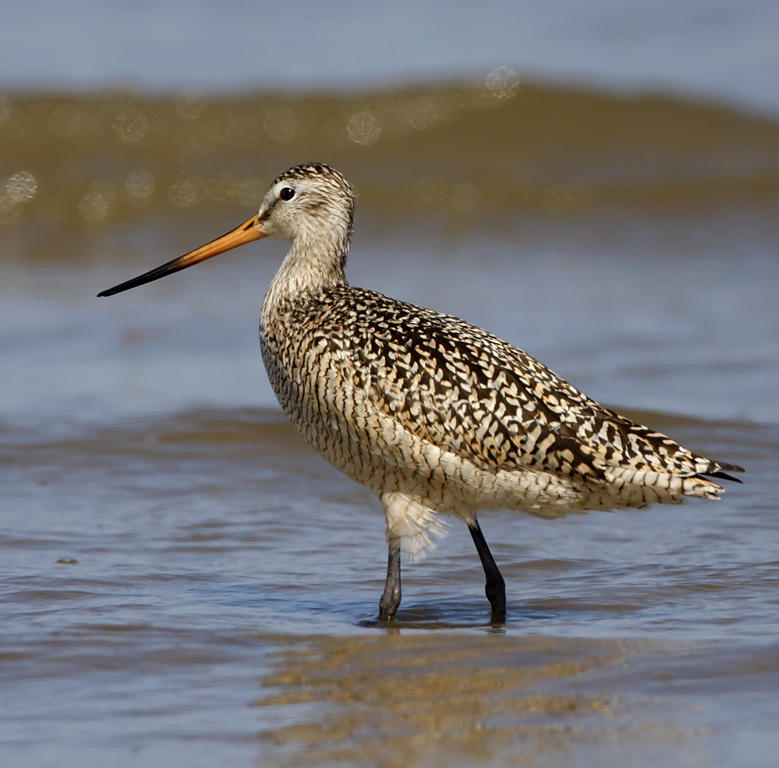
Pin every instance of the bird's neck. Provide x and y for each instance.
(310, 267)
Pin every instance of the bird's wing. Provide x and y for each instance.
(460, 388)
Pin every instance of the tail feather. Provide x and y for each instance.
(725, 475)
(706, 486)
(720, 470)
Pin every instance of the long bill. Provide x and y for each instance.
(250, 230)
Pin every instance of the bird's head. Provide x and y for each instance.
(310, 203)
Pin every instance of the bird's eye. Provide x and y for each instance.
(287, 193)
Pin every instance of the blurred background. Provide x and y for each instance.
(595, 181)
(616, 159)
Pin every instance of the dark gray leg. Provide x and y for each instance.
(390, 600)
(495, 587)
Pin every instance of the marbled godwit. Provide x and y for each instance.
(434, 415)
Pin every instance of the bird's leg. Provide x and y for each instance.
(495, 587)
(390, 599)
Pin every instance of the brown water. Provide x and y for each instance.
(183, 581)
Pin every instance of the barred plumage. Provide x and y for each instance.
(433, 414)
(368, 363)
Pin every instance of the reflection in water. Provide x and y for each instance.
(405, 699)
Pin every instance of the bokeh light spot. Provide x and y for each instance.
(131, 125)
(502, 83)
(182, 194)
(139, 187)
(96, 203)
(191, 106)
(363, 128)
(21, 187)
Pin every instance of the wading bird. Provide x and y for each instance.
(435, 415)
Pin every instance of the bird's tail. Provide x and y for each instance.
(632, 487)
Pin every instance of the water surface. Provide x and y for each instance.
(183, 580)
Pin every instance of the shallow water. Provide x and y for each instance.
(183, 580)
(181, 584)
